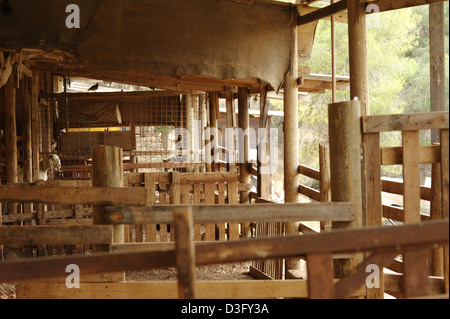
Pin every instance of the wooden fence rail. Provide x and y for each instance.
(316, 247)
(410, 155)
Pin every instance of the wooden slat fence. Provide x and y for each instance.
(410, 155)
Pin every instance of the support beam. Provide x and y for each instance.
(244, 166)
(213, 110)
(359, 78)
(437, 62)
(263, 166)
(345, 167)
(291, 160)
(107, 172)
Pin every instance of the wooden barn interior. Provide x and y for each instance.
(137, 102)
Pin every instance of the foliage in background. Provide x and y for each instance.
(399, 75)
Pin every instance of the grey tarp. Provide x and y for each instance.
(215, 38)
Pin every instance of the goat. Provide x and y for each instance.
(48, 164)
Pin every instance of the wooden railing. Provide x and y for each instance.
(384, 244)
(410, 155)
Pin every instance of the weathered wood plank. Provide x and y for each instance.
(404, 122)
(414, 262)
(308, 171)
(320, 276)
(445, 196)
(435, 232)
(64, 235)
(185, 253)
(233, 199)
(397, 188)
(394, 155)
(237, 213)
(166, 290)
(74, 195)
(411, 176)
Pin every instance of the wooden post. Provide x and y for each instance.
(203, 120)
(244, 168)
(213, 106)
(11, 138)
(437, 253)
(414, 262)
(437, 61)
(359, 78)
(107, 171)
(291, 136)
(231, 161)
(187, 141)
(333, 58)
(185, 253)
(444, 193)
(133, 158)
(263, 179)
(207, 133)
(344, 124)
(35, 124)
(26, 133)
(325, 186)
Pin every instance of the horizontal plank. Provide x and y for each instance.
(398, 214)
(309, 192)
(343, 241)
(231, 289)
(394, 155)
(130, 166)
(63, 235)
(65, 183)
(74, 195)
(12, 218)
(185, 178)
(109, 95)
(308, 171)
(397, 188)
(201, 178)
(238, 213)
(393, 284)
(323, 12)
(405, 122)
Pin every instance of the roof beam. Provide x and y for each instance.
(323, 13)
(387, 5)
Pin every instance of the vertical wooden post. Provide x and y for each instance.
(133, 158)
(11, 138)
(187, 141)
(291, 136)
(333, 57)
(185, 253)
(26, 108)
(320, 276)
(244, 168)
(344, 124)
(325, 187)
(204, 121)
(229, 137)
(357, 41)
(207, 133)
(107, 171)
(437, 253)
(414, 262)
(373, 204)
(213, 106)
(35, 124)
(263, 179)
(445, 198)
(437, 61)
